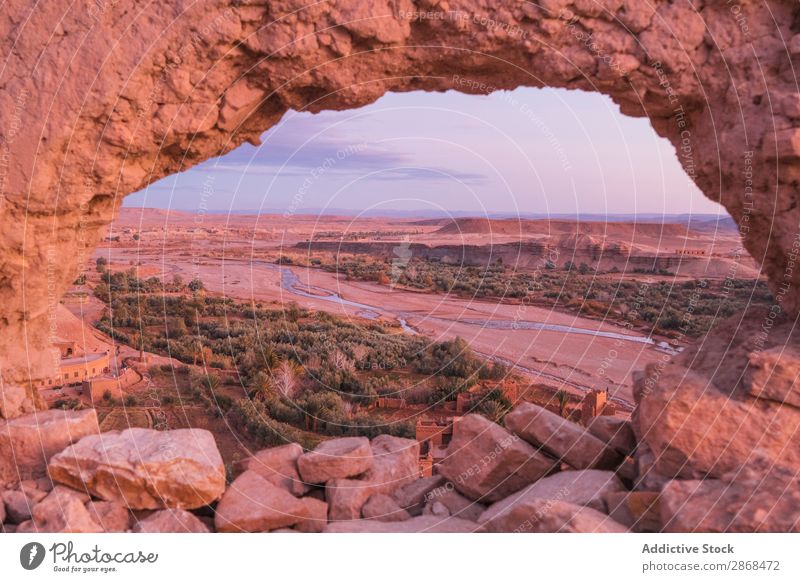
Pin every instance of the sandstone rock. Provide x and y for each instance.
(336, 459)
(111, 516)
(762, 499)
(61, 512)
(18, 506)
(278, 465)
(171, 521)
(317, 516)
(253, 504)
(615, 432)
(412, 496)
(421, 524)
(45, 254)
(396, 463)
(2, 512)
(561, 438)
(773, 374)
(16, 400)
(638, 510)
(27, 442)
(696, 431)
(381, 507)
(587, 487)
(436, 508)
(144, 468)
(456, 504)
(537, 515)
(486, 462)
(32, 491)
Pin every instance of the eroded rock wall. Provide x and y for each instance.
(100, 98)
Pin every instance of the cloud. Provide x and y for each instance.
(298, 150)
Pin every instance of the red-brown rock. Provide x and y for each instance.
(27, 442)
(253, 504)
(144, 468)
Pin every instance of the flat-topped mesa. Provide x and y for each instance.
(92, 111)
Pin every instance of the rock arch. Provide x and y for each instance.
(101, 97)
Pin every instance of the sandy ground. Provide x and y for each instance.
(230, 254)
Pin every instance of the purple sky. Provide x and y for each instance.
(526, 151)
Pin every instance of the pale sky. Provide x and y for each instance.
(542, 151)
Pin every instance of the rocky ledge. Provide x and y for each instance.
(711, 447)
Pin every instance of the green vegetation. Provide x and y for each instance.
(302, 374)
(655, 308)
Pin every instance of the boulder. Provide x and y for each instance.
(697, 431)
(561, 438)
(412, 496)
(485, 462)
(144, 468)
(773, 374)
(278, 465)
(536, 515)
(112, 516)
(396, 463)
(30, 488)
(336, 459)
(638, 510)
(587, 488)
(616, 432)
(456, 504)
(61, 512)
(171, 521)
(761, 499)
(253, 504)
(27, 442)
(18, 507)
(317, 516)
(16, 400)
(421, 524)
(383, 508)
(436, 508)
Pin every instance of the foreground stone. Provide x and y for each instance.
(171, 521)
(18, 506)
(575, 487)
(456, 504)
(381, 507)
(485, 462)
(615, 432)
(773, 374)
(278, 465)
(17, 400)
(395, 463)
(316, 516)
(144, 468)
(336, 459)
(696, 431)
(421, 524)
(561, 438)
(638, 510)
(61, 512)
(536, 515)
(412, 496)
(253, 504)
(112, 516)
(27, 442)
(760, 500)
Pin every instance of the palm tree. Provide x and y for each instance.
(263, 387)
(286, 378)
